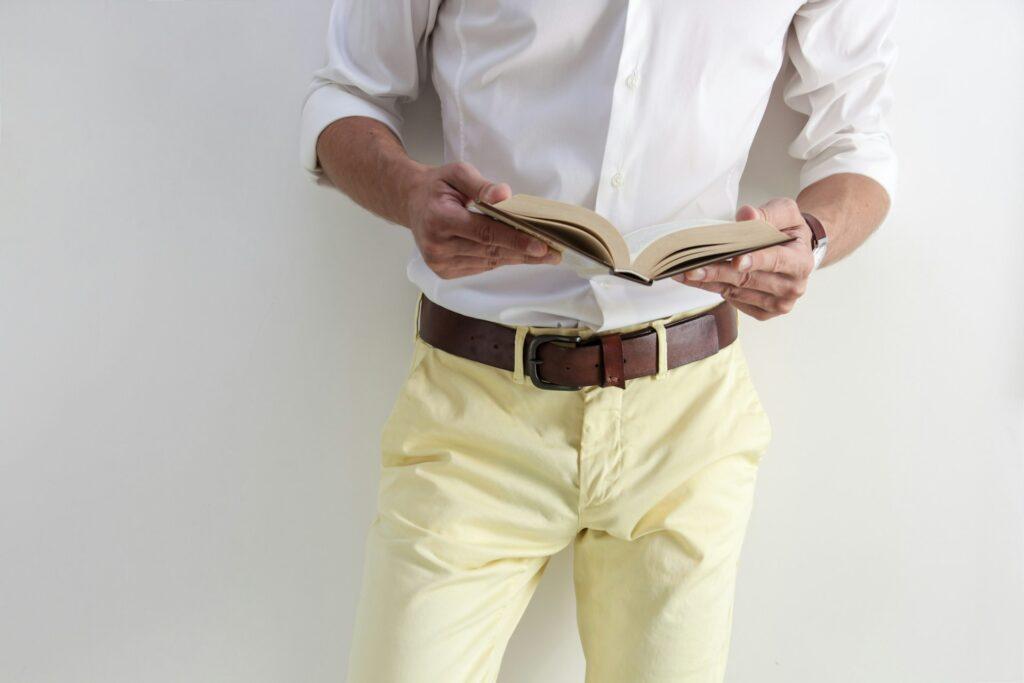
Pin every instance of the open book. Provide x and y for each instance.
(644, 255)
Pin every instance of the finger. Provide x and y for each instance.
(460, 246)
(781, 212)
(733, 293)
(716, 287)
(461, 266)
(772, 283)
(754, 311)
(488, 232)
(795, 262)
(749, 213)
(762, 300)
(770, 260)
(495, 193)
(465, 178)
(773, 303)
(762, 310)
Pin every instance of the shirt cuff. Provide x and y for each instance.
(324, 106)
(879, 164)
(819, 254)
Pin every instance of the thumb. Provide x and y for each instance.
(496, 192)
(472, 185)
(748, 213)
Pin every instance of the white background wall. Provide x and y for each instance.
(196, 355)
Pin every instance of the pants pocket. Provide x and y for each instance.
(750, 397)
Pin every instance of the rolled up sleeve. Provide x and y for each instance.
(375, 58)
(842, 56)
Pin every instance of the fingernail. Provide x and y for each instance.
(744, 263)
(697, 274)
(536, 248)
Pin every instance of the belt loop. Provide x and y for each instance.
(659, 329)
(518, 374)
(612, 361)
(416, 317)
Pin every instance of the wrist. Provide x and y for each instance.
(819, 237)
(410, 177)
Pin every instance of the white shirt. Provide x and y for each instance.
(643, 111)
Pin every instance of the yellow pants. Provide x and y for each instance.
(484, 477)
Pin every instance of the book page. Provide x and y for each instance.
(690, 263)
(559, 236)
(643, 254)
(640, 239)
(721, 236)
(549, 211)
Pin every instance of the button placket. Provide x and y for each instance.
(615, 192)
(601, 448)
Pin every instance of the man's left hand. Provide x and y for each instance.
(765, 283)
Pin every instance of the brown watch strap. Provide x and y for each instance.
(561, 361)
(817, 229)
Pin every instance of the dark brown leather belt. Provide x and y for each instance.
(556, 361)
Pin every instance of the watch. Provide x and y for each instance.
(819, 239)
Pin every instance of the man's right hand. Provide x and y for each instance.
(456, 242)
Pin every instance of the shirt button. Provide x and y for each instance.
(632, 81)
(617, 180)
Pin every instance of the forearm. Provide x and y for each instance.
(363, 158)
(851, 206)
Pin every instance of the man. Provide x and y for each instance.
(634, 433)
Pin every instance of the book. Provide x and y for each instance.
(645, 255)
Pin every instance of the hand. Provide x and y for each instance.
(765, 283)
(456, 242)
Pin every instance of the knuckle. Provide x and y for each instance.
(440, 228)
(745, 278)
(789, 289)
(493, 262)
(460, 168)
(432, 251)
(435, 220)
(786, 208)
(485, 233)
(429, 253)
(435, 206)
